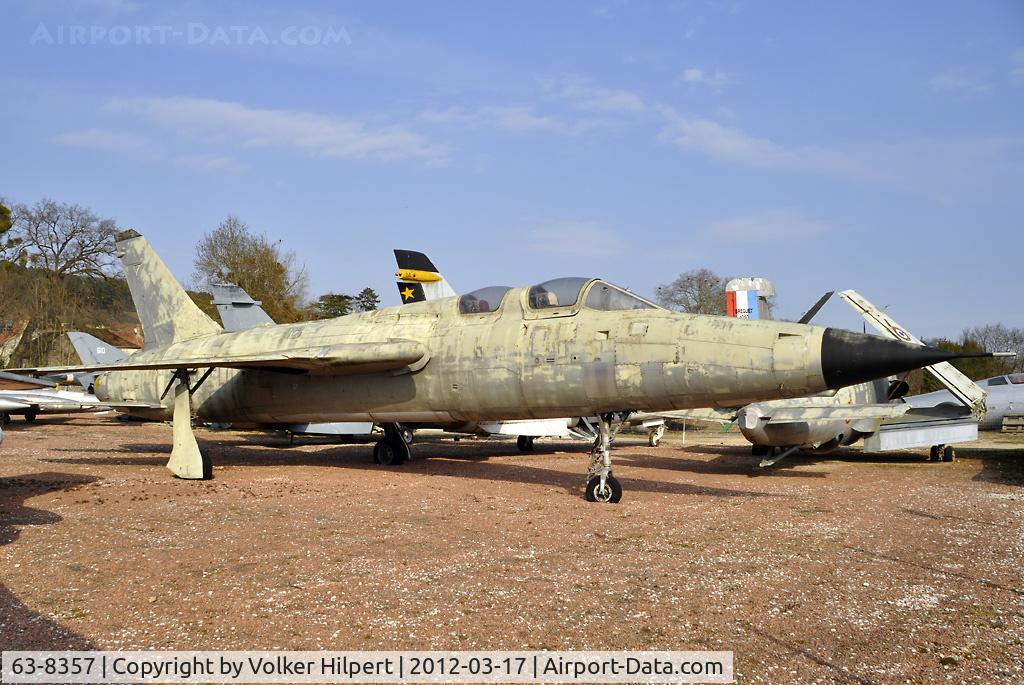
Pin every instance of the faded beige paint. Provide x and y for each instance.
(512, 363)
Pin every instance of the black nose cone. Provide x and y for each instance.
(849, 358)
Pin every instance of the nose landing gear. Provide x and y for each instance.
(393, 450)
(602, 486)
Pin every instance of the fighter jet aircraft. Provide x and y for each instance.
(565, 347)
(29, 397)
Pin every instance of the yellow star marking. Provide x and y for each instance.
(408, 293)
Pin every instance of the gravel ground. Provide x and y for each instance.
(839, 568)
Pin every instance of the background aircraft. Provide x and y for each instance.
(28, 397)
(1005, 395)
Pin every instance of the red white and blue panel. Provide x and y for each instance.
(742, 304)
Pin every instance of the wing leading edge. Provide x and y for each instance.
(330, 360)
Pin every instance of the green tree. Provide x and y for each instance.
(974, 368)
(232, 253)
(366, 300)
(331, 305)
(8, 242)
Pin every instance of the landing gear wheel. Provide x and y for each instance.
(611, 493)
(655, 435)
(760, 450)
(5, 418)
(525, 443)
(934, 454)
(407, 435)
(948, 454)
(30, 417)
(390, 452)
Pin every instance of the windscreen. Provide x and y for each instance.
(483, 300)
(561, 292)
(607, 297)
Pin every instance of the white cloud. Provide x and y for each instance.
(516, 118)
(119, 142)
(715, 78)
(143, 149)
(958, 81)
(579, 238)
(770, 226)
(210, 162)
(943, 170)
(584, 94)
(310, 133)
(724, 143)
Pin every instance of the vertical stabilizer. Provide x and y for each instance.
(93, 351)
(419, 279)
(166, 311)
(237, 309)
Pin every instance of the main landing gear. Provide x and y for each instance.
(942, 453)
(393, 449)
(525, 443)
(602, 486)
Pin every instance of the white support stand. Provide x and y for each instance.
(186, 460)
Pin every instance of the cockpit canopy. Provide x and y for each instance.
(565, 292)
(483, 300)
(560, 292)
(557, 293)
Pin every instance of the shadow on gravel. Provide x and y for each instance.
(484, 467)
(475, 460)
(1004, 465)
(844, 675)
(20, 626)
(727, 463)
(14, 490)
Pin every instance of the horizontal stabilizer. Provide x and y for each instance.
(334, 359)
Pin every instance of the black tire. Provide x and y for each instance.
(30, 417)
(525, 443)
(653, 439)
(611, 496)
(760, 450)
(390, 452)
(5, 418)
(934, 453)
(948, 454)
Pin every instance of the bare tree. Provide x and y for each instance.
(699, 291)
(231, 253)
(999, 338)
(65, 239)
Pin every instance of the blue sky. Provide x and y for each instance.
(876, 146)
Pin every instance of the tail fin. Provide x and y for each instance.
(419, 279)
(94, 351)
(167, 313)
(237, 309)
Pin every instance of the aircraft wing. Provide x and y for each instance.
(712, 414)
(340, 359)
(841, 412)
(969, 393)
(13, 381)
